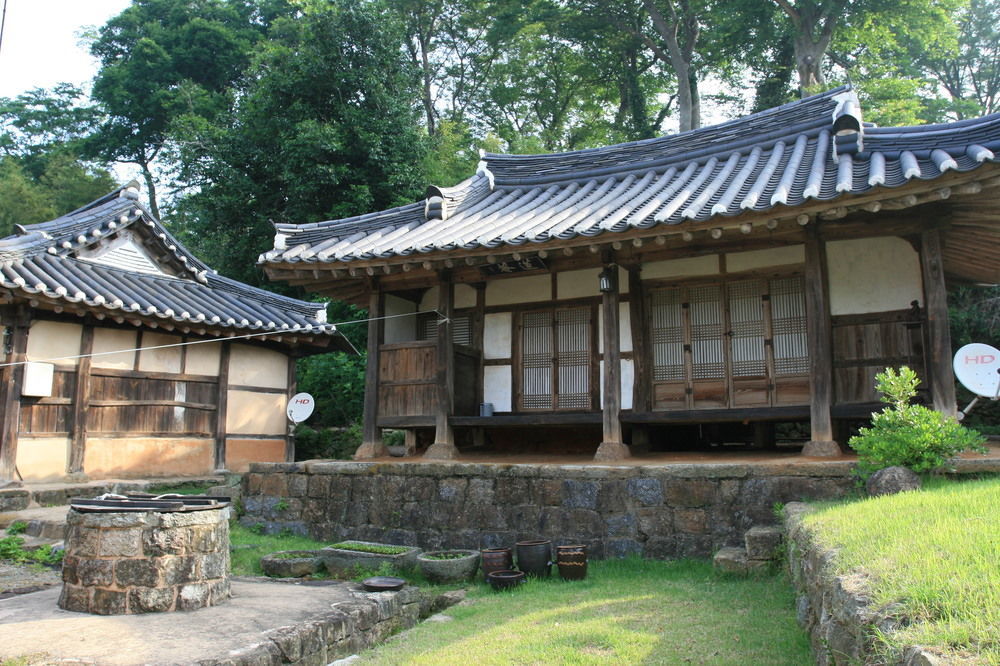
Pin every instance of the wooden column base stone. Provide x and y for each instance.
(612, 451)
(441, 451)
(821, 449)
(371, 450)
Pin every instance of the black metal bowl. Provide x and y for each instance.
(383, 583)
(505, 579)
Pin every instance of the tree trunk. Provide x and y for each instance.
(147, 175)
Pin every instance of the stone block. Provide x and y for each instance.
(219, 591)
(109, 602)
(579, 494)
(731, 560)
(213, 565)
(151, 600)
(139, 572)
(191, 518)
(14, 499)
(289, 642)
(623, 525)
(763, 542)
(691, 521)
(252, 483)
(298, 485)
(178, 570)
(274, 485)
(480, 491)
(110, 520)
(645, 492)
(120, 543)
(317, 485)
(690, 492)
(192, 596)
(452, 490)
(75, 598)
(512, 491)
(206, 538)
(622, 548)
(611, 496)
(655, 521)
(547, 492)
(93, 573)
(165, 542)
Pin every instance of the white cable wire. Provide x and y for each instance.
(235, 337)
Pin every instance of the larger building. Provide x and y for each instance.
(761, 270)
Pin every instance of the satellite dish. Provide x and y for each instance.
(300, 407)
(977, 366)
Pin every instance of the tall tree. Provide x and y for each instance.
(161, 59)
(326, 126)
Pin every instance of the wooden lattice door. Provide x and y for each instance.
(731, 344)
(555, 359)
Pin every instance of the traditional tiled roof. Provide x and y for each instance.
(113, 258)
(813, 150)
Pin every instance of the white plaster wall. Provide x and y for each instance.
(578, 284)
(113, 340)
(256, 366)
(873, 275)
(42, 458)
(624, 328)
(251, 413)
(626, 379)
(52, 340)
(775, 256)
(203, 359)
(529, 289)
(399, 329)
(497, 387)
(160, 360)
(497, 331)
(707, 264)
(465, 297)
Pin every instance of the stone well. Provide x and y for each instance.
(120, 563)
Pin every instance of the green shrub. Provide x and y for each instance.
(17, 527)
(912, 436)
(336, 443)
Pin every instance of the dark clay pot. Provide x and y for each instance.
(502, 580)
(534, 558)
(572, 561)
(496, 559)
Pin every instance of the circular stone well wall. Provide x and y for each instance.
(145, 562)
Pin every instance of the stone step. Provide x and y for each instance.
(44, 522)
(731, 560)
(763, 542)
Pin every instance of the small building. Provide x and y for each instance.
(758, 271)
(126, 356)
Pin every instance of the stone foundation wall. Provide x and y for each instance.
(837, 611)
(682, 510)
(144, 562)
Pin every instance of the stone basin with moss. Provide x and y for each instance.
(347, 558)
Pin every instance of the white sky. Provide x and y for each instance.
(41, 42)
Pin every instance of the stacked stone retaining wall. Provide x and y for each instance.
(836, 610)
(669, 511)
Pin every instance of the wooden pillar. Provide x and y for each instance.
(940, 371)
(371, 437)
(17, 320)
(612, 446)
(222, 409)
(81, 405)
(443, 447)
(291, 389)
(821, 442)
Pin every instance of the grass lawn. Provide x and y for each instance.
(936, 551)
(626, 612)
(249, 547)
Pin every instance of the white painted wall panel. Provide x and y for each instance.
(498, 387)
(529, 289)
(775, 256)
(399, 329)
(465, 297)
(624, 328)
(707, 264)
(113, 340)
(52, 340)
(578, 284)
(626, 379)
(497, 331)
(873, 275)
(256, 366)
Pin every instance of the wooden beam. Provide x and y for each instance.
(81, 404)
(371, 437)
(939, 361)
(222, 412)
(17, 319)
(443, 447)
(821, 442)
(612, 446)
(638, 320)
(292, 384)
